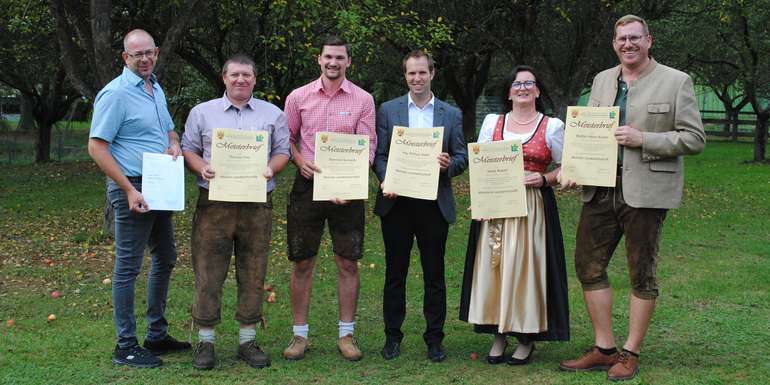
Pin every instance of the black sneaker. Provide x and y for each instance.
(166, 345)
(136, 357)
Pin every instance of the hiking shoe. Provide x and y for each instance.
(204, 357)
(348, 347)
(166, 345)
(253, 355)
(592, 359)
(296, 349)
(626, 368)
(136, 357)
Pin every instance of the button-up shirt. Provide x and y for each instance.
(131, 120)
(620, 101)
(256, 115)
(420, 117)
(350, 110)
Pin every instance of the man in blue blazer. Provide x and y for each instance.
(404, 219)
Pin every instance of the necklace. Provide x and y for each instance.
(527, 122)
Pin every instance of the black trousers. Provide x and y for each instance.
(409, 219)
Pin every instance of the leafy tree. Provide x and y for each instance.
(90, 35)
(738, 69)
(28, 63)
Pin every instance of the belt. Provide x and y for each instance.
(135, 179)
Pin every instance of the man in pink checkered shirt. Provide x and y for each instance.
(334, 104)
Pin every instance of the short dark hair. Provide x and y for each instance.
(239, 58)
(336, 40)
(416, 54)
(505, 89)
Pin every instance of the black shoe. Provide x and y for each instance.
(166, 345)
(253, 355)
(523, 361)
(391, 350)
(204, 357)
(494, 360)
(136, 357)
(436, 353)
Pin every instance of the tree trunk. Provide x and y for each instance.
(733, 116)
(469, 122)
(43, 145)
(760, 136)
(27, 113)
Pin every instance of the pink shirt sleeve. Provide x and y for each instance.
(366, 126)
(293, 118)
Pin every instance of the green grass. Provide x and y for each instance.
(711, 325)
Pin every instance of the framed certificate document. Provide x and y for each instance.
(413, 167)
(239, 159)
(343, 160)
(590, 155)
(497, 179)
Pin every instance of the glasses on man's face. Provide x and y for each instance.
(150, 53)
(633, 39)
(527, 84)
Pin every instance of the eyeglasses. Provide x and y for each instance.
(150, 53)
(633, 39)
(527, 84)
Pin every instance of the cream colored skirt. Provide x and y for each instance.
(509, 276)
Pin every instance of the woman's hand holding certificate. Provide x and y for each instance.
(497, 179)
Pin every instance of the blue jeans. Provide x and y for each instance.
(134, 232)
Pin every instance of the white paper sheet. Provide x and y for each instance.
(163, 181)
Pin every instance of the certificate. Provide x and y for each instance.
(413, 167)
(163, 181)
(497, 179)
(239, 159)
(344, 163)
(590, 155)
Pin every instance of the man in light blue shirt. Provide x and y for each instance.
(131, 118)
(406, 219)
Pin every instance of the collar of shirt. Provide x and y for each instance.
(226, 104)
(134, 79)
(345, 86)
(411, 103)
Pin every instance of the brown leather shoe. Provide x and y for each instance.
(626, 367)
(592, 359)
(296, 349)
(253, 355)
(348, 347)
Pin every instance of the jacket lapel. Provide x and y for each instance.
(403, 112)
(438, 114)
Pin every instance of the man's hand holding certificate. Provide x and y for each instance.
(343, 164)
(239, 159)
(497, 179)
(590, 149)
(413, 166)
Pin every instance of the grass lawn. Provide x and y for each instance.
(712, 325)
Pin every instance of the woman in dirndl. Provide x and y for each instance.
(515, 281)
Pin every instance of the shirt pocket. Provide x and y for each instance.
(665, 165)
(658, 108)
